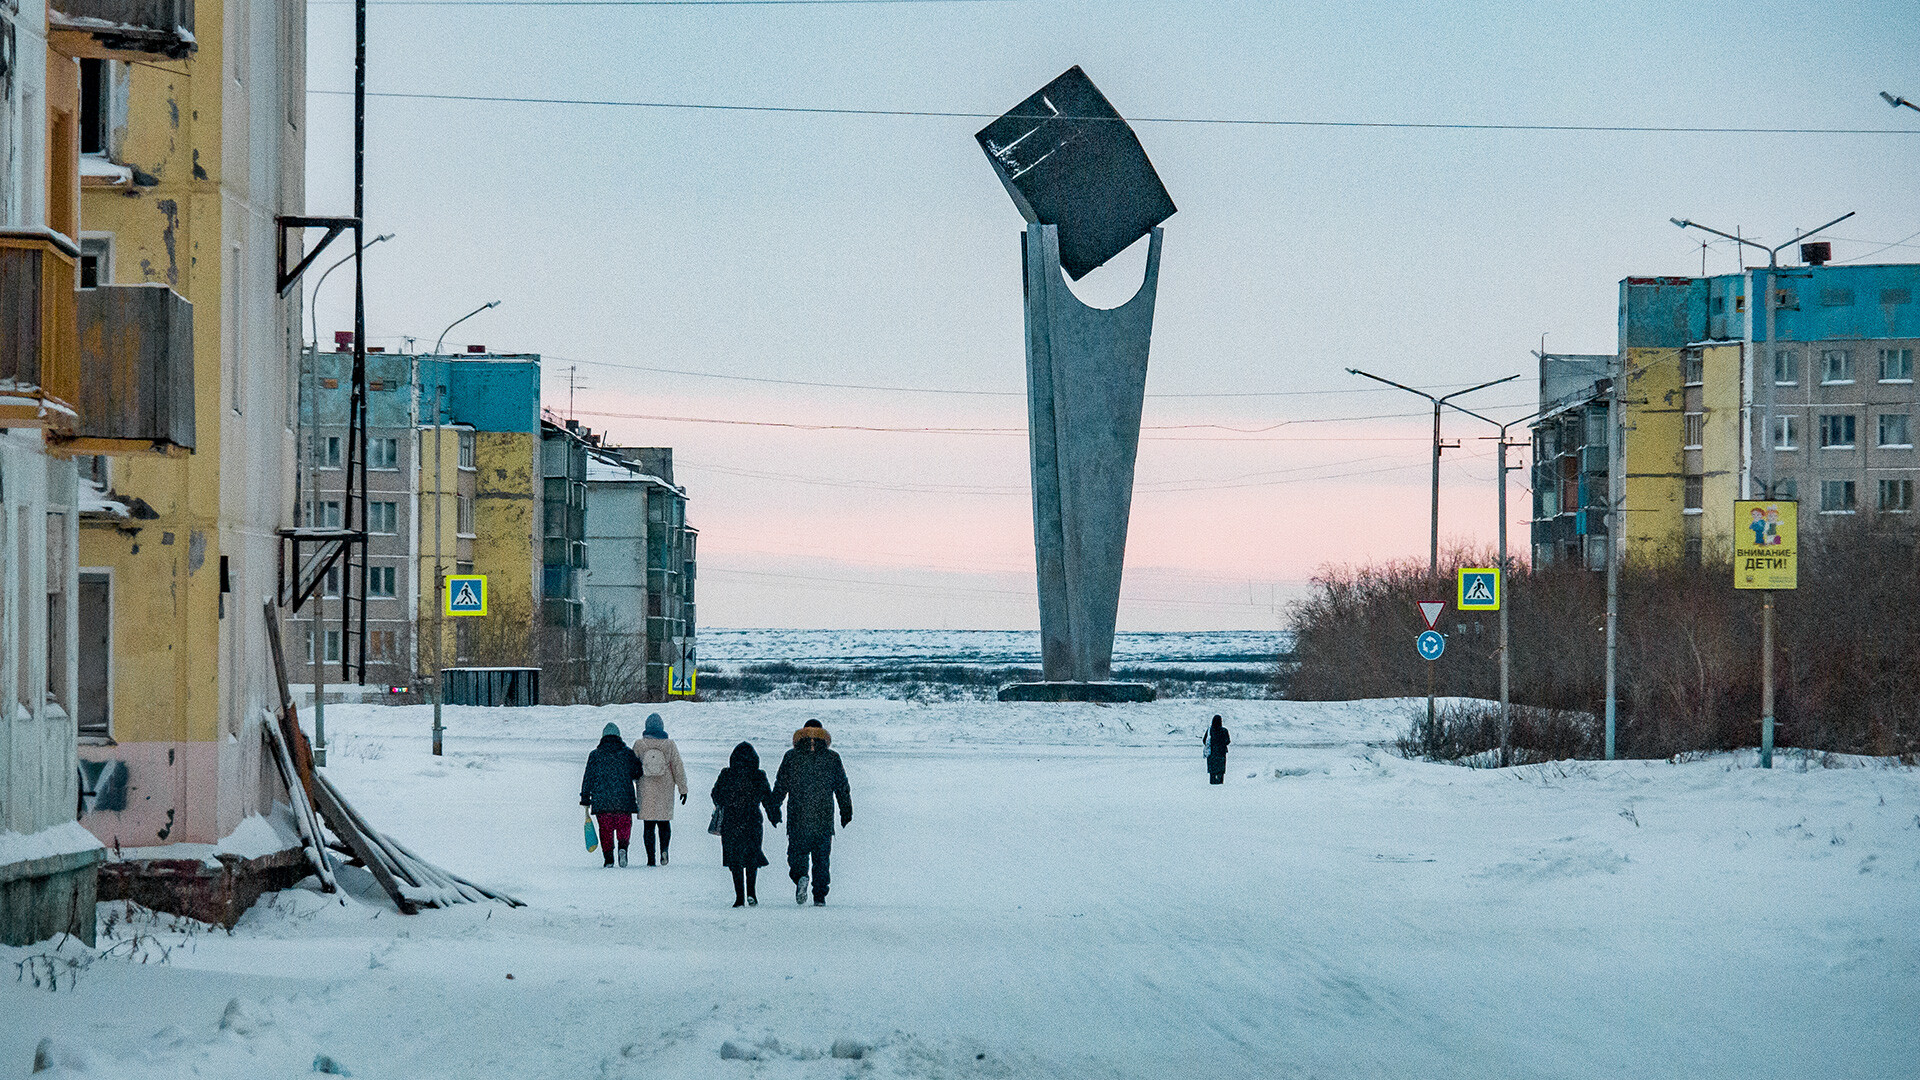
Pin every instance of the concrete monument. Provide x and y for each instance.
(1081, 179)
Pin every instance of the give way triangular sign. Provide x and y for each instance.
(1430, 610)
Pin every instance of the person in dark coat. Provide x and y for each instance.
(1217, 741)
(740, 792)
(811, 779)
(607, 789)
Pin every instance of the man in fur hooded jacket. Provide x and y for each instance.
(811, 779)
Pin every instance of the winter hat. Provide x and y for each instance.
(656, 727)
(744, 757)
(812, 730)
(610, 729)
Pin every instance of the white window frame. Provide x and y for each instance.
(1786, 432)
(1905, 358)
(1693, 493)
(1906, 423)
(391, 580)
(468, 451)
(1854, 503)
(392, 515)
(1907, 491)
(1792, 357)
(1845, 357)
(392, 459)
(1693, 430)
(463, 517)
(1849, 444)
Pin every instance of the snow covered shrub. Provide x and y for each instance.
(1469, 733)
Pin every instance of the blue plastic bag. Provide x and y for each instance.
(593, 834)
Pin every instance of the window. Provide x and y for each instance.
(327, 449)
(1786, 433)
(1836, 431)
(1836, 496)
(1786, 368)
(96, 106)
(1896, 296)
(380, 581)
(1693, 550)
(332, 638)
(463, 566)
(1696, 494)
(1692, 368)
(382, 517)
(331, 586)
(96, 261)
(383, 644)
(1836, 366)
(1696, 426)
(1896, 365)
(466, 450)
(1836, 297)
(383, 453)
(465, 515)
(1893, 430)
(1786, 489)
(327, 517)
(1896, 496)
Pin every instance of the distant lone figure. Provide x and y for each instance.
(1216, 741)
(660, 773)
(607, 790)
(811, 778)
(740, 793)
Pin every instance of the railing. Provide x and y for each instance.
(158, 27)
(39, 361)
(136, 358)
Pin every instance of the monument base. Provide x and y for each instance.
(1102, 692)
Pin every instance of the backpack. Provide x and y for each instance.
(653, 762)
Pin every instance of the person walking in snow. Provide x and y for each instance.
(660, 773)
(811, 778)
(1216, 741)
(740, 793)
(607, 790)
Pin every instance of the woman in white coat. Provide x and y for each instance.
(660, 773)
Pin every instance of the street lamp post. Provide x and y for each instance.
(439, 565)
(1433, 533)
(1766, 379)
(318, 623)
(1897, 102)
(1506, 597)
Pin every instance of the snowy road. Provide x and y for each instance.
(1056, 891)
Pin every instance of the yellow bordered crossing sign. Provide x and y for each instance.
(681, 679)
(466, 594)
(1479, 589)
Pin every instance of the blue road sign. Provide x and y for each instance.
(1430, 644)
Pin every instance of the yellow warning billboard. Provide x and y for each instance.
(1766, 536)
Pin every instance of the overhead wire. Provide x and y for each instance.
(1219, 121)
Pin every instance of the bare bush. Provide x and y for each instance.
(1689, 644)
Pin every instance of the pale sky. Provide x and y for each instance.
(881, 251)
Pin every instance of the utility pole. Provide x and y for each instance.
(439, 565)
(1433, 534)
(1764, 375)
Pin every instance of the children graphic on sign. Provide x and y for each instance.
(1759, 526)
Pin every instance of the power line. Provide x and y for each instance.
(952, 390)
(939, 114)
(637, 3)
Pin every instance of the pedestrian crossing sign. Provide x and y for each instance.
(1479, 589)
(680, 680)
(466, 594)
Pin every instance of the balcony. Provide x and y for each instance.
(136, 367)
(122, 29)
(39, 353)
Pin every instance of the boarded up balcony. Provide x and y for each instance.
(39, 354)
(136, 365)
(122, 29)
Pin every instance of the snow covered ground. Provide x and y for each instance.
(1035, 890)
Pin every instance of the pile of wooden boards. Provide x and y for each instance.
(411, 881)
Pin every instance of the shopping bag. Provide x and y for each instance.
(593, 834)
(713, 823)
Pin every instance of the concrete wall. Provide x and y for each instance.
(507, 519)
(223, 134)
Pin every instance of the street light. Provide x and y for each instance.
(1896, 102)
(439, 493)
(314, 307)
(1506, 705)
(443, 334)
(1766, 381)
(1433, 538)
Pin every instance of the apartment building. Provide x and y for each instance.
(1700, 380)
(644, 560)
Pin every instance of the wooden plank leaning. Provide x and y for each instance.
(304, 820)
